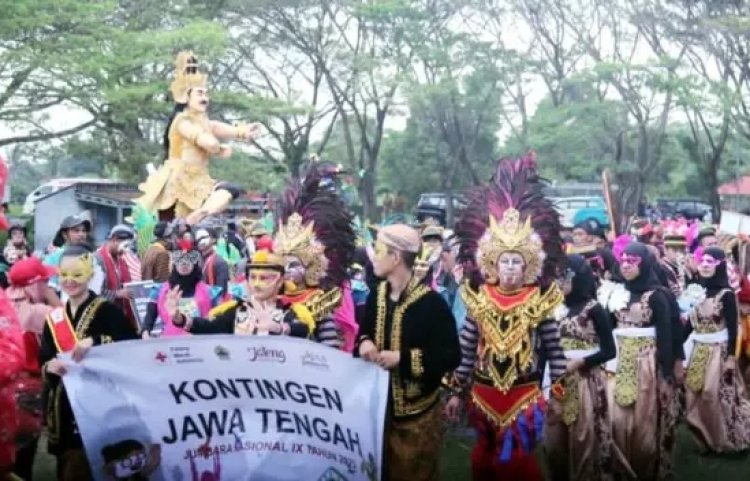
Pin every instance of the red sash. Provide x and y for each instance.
(304, 296)
(62, 330)
(210, 270)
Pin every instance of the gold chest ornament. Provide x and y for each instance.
(505, 323)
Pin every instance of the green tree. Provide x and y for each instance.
(39, 39)
(575, 140)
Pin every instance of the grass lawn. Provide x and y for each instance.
(689, 465)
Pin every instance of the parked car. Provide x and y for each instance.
(574, 210)
(434, 205)
(595, 214)
(690, 209)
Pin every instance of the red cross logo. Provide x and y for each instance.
(161, 357)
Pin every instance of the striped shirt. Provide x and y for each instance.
(546, 341)
(326, 333)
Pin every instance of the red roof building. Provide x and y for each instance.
(739, 187)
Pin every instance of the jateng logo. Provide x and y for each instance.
(315, 360)
(265, 354)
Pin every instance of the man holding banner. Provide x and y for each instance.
(86, 320)
(409, 330)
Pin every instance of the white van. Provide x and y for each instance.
(53, 186)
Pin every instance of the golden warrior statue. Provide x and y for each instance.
(182, 187)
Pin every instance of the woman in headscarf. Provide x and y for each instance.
(718, 412)
(642, 404)
(584, 244)
(197, 296)
(578, 436)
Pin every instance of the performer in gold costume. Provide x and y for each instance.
(509, 238)
(261, 313)
(182, 186)
(315, 235)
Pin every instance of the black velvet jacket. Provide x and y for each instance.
(100, 320)
(421, 327)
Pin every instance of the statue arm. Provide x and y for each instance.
(225, 131)
(199, 136)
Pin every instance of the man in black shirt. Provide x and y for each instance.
(409, 330)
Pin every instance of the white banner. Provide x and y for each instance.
(210, 408)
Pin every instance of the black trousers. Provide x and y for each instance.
(24, 467)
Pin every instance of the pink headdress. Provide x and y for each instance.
(618, 247)
(691, 233)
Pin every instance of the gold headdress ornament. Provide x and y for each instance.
(510, 235)
(297, 239)
(675, 233)
(186, 77)
(424, 260)
(245, 226)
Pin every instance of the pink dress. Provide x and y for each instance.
(11, 365)
(344, 316)
(28, 385)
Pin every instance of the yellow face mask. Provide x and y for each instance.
(80, 271)
(381, 250)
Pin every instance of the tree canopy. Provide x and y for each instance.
(409, 96)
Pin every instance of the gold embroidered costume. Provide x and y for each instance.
(506, 330)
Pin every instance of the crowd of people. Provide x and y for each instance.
(593, 346)
(529, 332)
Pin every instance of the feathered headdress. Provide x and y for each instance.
(511, 214)
(675, 233)
(314, 225)
(619, 245)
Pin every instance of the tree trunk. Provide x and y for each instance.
(367, 195)
(712, 185)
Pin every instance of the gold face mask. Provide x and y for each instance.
(80, 271)
(381, 250)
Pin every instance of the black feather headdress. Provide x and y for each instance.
(511, 213)
(314, 225)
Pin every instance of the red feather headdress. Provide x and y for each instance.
(511, 213)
